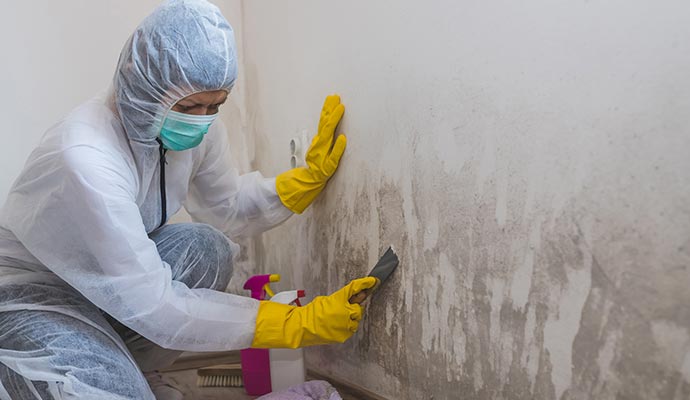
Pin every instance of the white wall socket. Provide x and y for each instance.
(298, 149)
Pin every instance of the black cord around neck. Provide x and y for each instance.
(164, 202)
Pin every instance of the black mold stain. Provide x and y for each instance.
(482, 253)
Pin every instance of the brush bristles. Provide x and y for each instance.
(219, 381)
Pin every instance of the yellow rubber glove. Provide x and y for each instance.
(298, 187)
(327, 319)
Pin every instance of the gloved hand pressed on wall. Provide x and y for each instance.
(327, 319)
(298, 187)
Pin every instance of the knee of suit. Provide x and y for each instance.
(199, 255)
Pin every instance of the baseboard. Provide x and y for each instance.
(200, 360)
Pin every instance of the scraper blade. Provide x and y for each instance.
(382, 270)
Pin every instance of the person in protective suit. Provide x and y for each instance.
(96, 290)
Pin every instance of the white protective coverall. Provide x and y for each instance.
(81, 213)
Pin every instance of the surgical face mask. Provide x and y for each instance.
(184, 131)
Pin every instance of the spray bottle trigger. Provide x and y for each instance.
(300, 294)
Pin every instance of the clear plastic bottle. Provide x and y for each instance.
(287, 365)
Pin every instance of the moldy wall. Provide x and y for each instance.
(528, 161)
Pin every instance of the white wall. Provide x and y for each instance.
(56, 55)
(530, 162)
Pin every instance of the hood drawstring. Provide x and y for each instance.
(164, 206)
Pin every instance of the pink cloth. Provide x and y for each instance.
(312, 390)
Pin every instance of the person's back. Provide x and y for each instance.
(92, 124)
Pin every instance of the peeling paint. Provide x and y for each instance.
(559, 333)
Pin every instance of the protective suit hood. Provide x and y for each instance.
(183, 47)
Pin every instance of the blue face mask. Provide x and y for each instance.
(184, 131)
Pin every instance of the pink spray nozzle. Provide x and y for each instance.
(258, 284)
(300, 294)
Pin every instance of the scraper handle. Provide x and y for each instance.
(358, 298)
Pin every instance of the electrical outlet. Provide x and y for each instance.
(298, 149)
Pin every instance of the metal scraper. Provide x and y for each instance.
(382, 270)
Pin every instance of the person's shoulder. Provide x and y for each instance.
(90, 137)
(94, 115)
(96, 166)
(90, 125)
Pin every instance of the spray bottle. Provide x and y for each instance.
(287, 365)
(256, 372)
